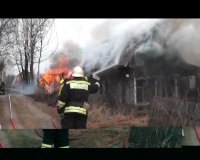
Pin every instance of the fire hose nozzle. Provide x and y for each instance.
(96, 77)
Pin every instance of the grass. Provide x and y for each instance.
(98, 138)
(85, 138)
(173, 112)
(22, 139)
(100, 115)
(155, 137)
(190, 138)
(111, 137)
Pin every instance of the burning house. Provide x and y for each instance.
(142, 69)
(49, 81)
(61, 65)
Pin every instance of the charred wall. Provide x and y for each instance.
(116, 86)
(162, 76)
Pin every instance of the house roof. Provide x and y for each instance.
(148, 50)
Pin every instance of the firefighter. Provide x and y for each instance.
(57, 138)
(73, 99)
(2, 88)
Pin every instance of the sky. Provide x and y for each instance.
(77, 30)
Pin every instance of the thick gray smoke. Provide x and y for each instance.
(69, 56)
(185, 37)
(108, 48)
(153, 35)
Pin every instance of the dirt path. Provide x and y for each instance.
(4, 113)
(27, 113)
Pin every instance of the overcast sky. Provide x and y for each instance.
(75, 29)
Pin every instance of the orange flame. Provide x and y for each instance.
(51, 78)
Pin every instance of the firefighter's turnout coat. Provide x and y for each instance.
(74, 94)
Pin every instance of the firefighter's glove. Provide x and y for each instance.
(90, 79)
(60, 110)
(86, 105)
(97, 78)
(93, 78)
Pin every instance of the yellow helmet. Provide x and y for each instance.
(77, 72)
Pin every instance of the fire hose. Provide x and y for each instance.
(53, 118)
(11, 118)
(1, 144)
(36, 132)
(53, 123)
(197, 133)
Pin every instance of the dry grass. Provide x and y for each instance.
(111, 137)
(98, 113)
(155, 137)
(101, 116)
(174, 112)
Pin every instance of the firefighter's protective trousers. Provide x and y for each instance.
(55, 138)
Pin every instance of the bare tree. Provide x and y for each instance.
(7, 32)
(29, 39)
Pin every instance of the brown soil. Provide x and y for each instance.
(26, 113)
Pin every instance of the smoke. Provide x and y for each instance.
(157, 36)
(114, 36)
(69, 56)
(21, 88)
(185, 38)
(180, 35)
(103, 31)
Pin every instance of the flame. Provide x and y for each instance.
(51, 78)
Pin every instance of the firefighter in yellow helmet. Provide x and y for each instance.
(73, 99)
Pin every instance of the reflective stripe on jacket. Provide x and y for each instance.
(74, 109)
